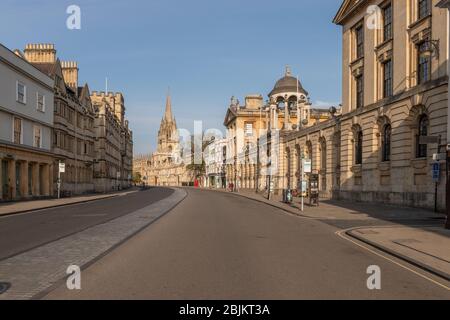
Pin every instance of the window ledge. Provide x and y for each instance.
(384, 166)
(419, 21)
(357, 168)
(419, 163)
(355, 61)
(383, 44)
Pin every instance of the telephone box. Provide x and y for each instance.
(314, 189)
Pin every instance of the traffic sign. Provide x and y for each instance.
(436, 172)
(62, 167)
(429, 139)
(307, 166)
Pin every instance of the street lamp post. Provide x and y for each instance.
(445, 4)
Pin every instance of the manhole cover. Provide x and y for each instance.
(4, 286)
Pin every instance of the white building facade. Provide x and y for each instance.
(26, 118)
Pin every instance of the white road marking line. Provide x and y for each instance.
(341, 234)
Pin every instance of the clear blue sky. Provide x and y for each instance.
(205, 50)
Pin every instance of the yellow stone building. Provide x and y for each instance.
(113, 143)
(166, 166)
(249, 126)
(73, 133)
(394, 101)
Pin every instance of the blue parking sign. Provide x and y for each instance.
(436, 172)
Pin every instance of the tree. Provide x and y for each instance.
(137, 177)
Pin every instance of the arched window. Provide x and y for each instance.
(280, 103)
(386, 143)
(310, 151)
(323, 155)
(293, 103)
(422, 132)
(359, 147)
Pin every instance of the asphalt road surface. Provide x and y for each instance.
(221, 246)
(23, 232)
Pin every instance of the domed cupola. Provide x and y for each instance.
(288, 85)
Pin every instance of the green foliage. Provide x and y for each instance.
(137, 178)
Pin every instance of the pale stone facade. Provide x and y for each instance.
(250, 125)
(93, 141)
(215, 156)
(395, 99)
(113, 143)
(392, 95)
(26, 119)
(73, 132)
(165, 167)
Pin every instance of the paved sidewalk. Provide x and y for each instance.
(343, 210)
(406, 233)
(427, 248)
(26, 206)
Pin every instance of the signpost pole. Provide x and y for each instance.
(302, 177)
(59, 179)
(436, 198)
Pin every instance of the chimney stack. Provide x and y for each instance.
(40, 53)
(70, 73)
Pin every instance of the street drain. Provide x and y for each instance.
(4, 286)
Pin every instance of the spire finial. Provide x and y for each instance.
(288, 71)
(168, 114)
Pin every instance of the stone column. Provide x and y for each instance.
(24, 179)
(46, 180)
(287, 114)
(36, 180)
(51, 181)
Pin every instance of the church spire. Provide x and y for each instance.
(168, 114)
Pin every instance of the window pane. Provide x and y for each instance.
(423, 132)
(423, 8)
(17, 130)
(387, 143)
(388, 22)
(359, 42)
(359, 148)
(21, 92)
(388, 84)
(359, 92)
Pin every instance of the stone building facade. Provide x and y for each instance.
(250, 125)
(73, 129)
(215, 157)
(395, 98)
(26, 118)
(166, 166)
(113, 143)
